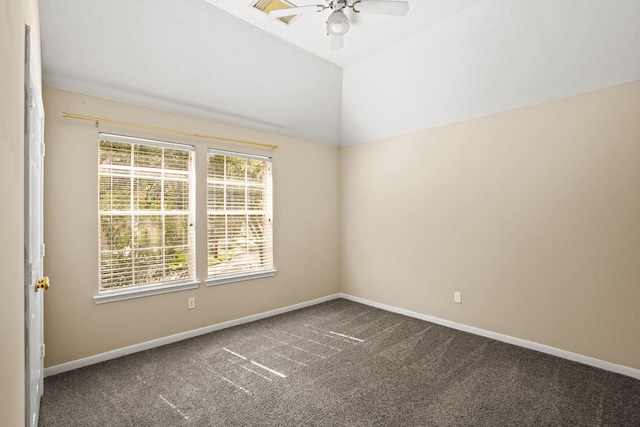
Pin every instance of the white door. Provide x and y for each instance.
(35, 283)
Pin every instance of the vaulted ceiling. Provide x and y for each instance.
(445, 61)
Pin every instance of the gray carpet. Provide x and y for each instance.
(340, 364)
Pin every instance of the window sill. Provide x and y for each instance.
(231, 278)
(143, 291)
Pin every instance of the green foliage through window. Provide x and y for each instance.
(239, 224)
(146, 211)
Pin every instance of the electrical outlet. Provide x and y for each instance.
(457, 297)
(191, 303)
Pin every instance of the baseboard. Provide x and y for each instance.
(608, 366)
(624, 370)
(64, 367)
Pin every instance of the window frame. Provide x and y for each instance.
(249, 274)
(142, 290)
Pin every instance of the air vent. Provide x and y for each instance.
(268, 5)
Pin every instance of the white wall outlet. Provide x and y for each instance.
(191, 303)
(457, 297)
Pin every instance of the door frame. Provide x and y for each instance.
(33, 235)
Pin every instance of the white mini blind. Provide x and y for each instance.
(146, 212)
(239, 208)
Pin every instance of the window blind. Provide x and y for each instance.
(239, 208)
(146, 212)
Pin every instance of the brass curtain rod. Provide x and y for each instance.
(179, 132)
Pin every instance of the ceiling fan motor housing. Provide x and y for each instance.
(338, 22)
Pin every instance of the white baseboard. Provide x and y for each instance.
(624, 370)
(608, 366)
(57, 369)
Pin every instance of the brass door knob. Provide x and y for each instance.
(42, 284)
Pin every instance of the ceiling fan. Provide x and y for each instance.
(337, 22)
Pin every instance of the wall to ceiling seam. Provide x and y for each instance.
(482, 57)
(495, 56)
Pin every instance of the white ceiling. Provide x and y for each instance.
(368, 33)
(446, 60)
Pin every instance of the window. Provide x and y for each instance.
(239, 222)
(146, 215)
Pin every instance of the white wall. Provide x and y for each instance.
(191, 58)
(494, 56)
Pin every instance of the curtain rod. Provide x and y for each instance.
(179, 132)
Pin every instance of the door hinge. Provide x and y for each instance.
(42, 250)
(43, 350)
(44, 149)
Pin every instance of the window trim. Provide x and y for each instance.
(222, 279)
(239, 277)
(153, 142)
(236, 154)
(144, 291)
(139, 291)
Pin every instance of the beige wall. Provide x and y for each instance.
(533, 214)
(305, 239)
(14, 15)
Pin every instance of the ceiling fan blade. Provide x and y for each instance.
(382, 7)
(337, 42)
(298, 10)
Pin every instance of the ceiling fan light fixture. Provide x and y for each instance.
(337, 23)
